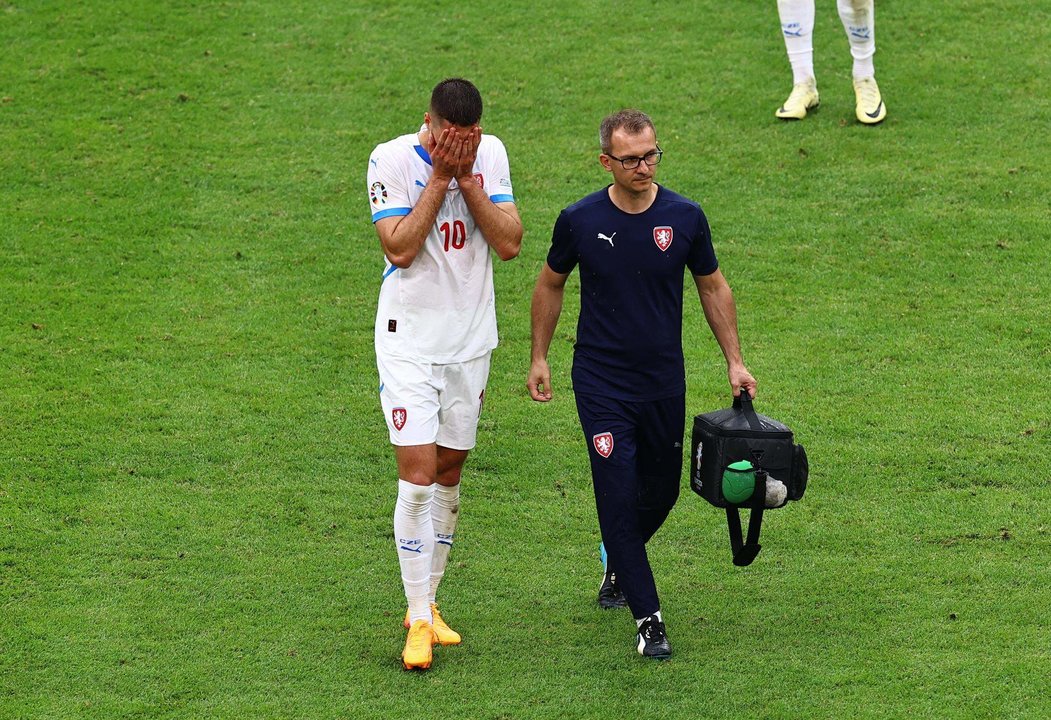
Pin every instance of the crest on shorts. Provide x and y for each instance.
(662, 235)
(481, 401)
(603, 444)
(398, 416)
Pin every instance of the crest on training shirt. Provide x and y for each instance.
(378, 193)
(480, 179)
(398, 416)
(603, 444)
(662, 236)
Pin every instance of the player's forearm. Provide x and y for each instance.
(544, 313)
(501, 230)
(721, 314)
(411, 233)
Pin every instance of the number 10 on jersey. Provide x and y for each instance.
(455, 235)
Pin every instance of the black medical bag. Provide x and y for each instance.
(724, 437)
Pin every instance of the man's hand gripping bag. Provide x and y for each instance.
(739, 437)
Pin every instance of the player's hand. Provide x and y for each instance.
(741, 379)
(539, 381)
(469, 153)
(445, 157)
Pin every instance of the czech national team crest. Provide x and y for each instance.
(603, 444)
(480, 179)
(663, 236)
(399, 416)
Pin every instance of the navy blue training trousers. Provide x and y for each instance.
(636, 465)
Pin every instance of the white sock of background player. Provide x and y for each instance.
(797, 26)
(859, 20)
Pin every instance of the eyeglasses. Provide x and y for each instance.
(630, 163)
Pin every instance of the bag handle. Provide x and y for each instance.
(743, 403)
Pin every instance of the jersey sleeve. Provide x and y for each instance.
(498, 182)
(388, 194)
(563, 256)
(702, 260)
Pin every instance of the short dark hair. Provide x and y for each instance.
(632, 121)
(457, 101)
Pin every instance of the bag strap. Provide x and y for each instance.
(746, 550)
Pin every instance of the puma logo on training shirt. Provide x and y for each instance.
(609, 238)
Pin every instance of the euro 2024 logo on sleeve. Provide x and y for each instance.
(603, 444)
(378, 193)
(662, 235)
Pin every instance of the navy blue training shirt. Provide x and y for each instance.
(629, 335)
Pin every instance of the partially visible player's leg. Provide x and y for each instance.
(445, 511)
(659, 439)
(859, 20)
(461, 397)
(657, 496)
(797, 27)
(610, 596)
(610, 427)
(409, 398)
(616, 500)
(414, 536)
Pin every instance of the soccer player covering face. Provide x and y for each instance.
(441, 199)
(632, 243)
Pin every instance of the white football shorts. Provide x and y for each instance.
(425, 403)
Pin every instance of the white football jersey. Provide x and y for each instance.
(441, 309)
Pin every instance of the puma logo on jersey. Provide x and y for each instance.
(609, 238)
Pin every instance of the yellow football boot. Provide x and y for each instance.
(418, 651)
(802, 98)
(446, 635)
(870, 108)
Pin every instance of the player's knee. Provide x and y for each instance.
(450, 476)
(419, 482)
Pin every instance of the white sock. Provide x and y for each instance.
(859, 20)
(445, 511)
(797, 26)
(414, 538)
(639, 621)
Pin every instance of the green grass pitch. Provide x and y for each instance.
(196, 488)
